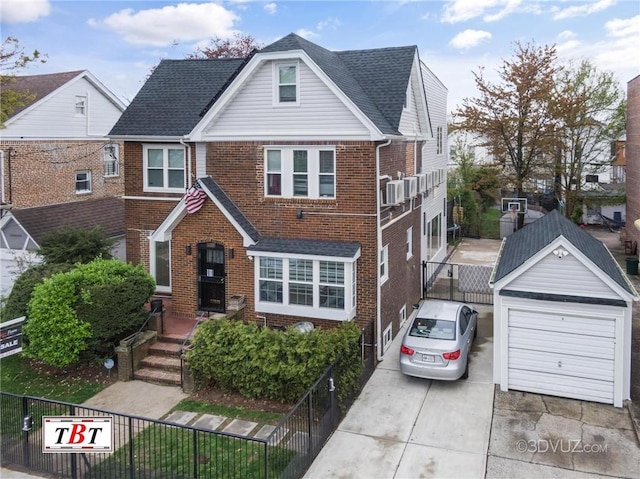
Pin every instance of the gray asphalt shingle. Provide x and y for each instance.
(526, 242)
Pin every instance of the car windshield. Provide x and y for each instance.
(433, 328)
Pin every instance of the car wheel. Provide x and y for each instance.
(465, 374)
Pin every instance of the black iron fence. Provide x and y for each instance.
(155, 449)
(468, 283)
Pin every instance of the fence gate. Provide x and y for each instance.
(468, 283)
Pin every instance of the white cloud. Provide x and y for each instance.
(469, 38)
(456, 11)
(19, 11)
(170, 24)
(271, 8)
(581, 10)
(304, 33)
(566, 35)
(330, 23)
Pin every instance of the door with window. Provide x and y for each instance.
(211, 277)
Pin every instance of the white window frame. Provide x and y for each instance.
(80, 106)
(402, 315)
(439, 140)
(384, 264)
(276, 84)
(286, 172)
(152, 265)
(111, 153)
(316, 311)
(165, 168)
(410, 242)
(387, 337)
(85, 191)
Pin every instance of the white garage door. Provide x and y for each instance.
(562, 355)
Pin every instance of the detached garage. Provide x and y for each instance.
(562, 314)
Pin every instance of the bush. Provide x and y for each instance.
(85, 311)
(263, 363)
(75, 245)
(16, 305)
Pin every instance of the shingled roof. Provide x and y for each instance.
(528, 241)
(39, 85)
(105, 212)
(178, 93)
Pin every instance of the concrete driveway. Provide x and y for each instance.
(403, 427)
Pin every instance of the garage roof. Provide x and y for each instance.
(526, 242)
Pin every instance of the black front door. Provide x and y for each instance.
(211, 290)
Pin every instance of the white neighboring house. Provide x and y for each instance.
(434, 164)
(23, 229)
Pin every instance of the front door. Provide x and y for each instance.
(211, 272)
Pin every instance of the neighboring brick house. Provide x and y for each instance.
(632, 151)
(54, 150)
(316, 202)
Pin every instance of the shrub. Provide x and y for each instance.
(86, 310)
(16, 305)
(75, 245)
(263, 363)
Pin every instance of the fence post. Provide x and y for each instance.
(132, 467)
(310, 420)
(74, 461)
(195, 454)
(26, 456)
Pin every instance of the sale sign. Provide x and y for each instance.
(77, 434)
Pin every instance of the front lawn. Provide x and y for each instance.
(75, 385)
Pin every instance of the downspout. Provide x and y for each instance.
(188, 161)
(379, 243)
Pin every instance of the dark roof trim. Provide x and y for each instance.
(562, 298)
(342, 249)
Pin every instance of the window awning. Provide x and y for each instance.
(306, 247)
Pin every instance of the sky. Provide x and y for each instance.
(120, 41)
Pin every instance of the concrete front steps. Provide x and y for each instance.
(162, 365)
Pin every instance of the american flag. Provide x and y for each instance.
(194, 198)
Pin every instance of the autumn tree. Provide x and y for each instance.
(589, 109)
(12, 59)
(512, 117)
(240, 46)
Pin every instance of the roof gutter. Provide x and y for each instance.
(379, 244)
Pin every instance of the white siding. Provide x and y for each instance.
(409, 120)
(252, 114)
(435, 202)
(55, 117)
(567, 276)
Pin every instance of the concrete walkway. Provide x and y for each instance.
(403, 427)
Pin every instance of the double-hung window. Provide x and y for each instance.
(164, 168)
(307, 287)
(286, 81)
(439, 140)
(384, 264)
(300, 172)
(110, 154)
(81, 105)
(83, 182)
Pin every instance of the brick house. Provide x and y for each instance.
(314, 183)
(54, 151)
(632, 150)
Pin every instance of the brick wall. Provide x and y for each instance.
(40, 173)
(633, 158)
(238, 167)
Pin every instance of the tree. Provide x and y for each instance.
(12, 59)
(240, 46)
(589, 111)
(513, 117)
(75, 245)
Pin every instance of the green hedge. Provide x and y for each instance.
(264, 363)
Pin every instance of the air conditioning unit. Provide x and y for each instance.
(410, 186)
(395, 192)
(422, 182)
